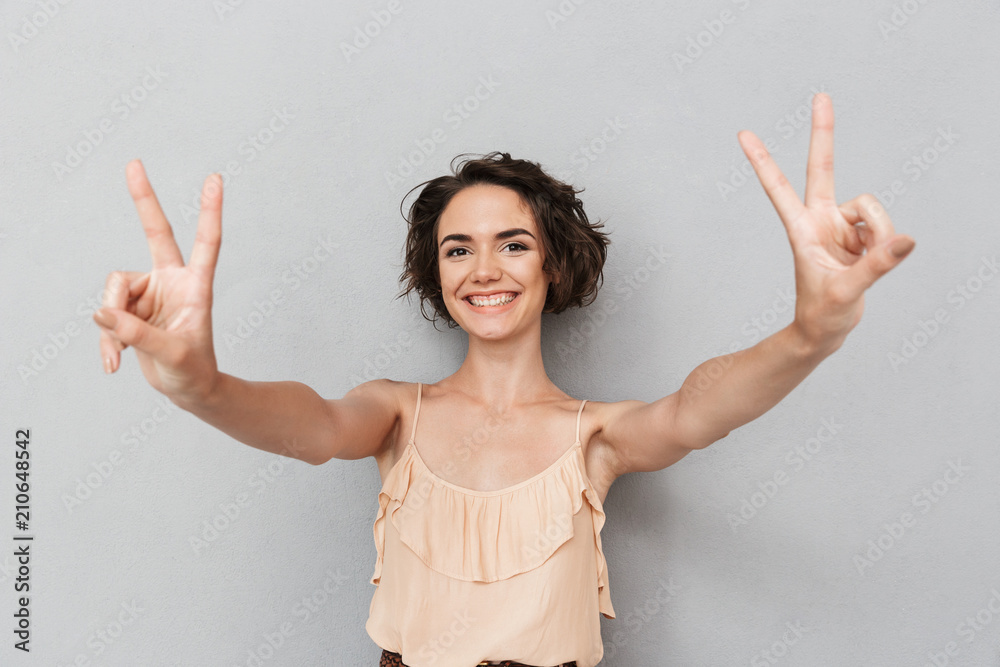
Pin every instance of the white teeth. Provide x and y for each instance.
(492, 301)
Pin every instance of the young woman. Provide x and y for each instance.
(493, 478)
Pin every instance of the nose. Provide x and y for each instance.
(487, 268)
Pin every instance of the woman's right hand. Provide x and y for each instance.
(166, 314)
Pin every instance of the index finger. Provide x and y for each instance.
(121, 287)
(778, 189)
(162, 245)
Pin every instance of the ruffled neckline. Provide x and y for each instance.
(487, 536)
(484, 494)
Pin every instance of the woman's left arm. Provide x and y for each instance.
(839, 252)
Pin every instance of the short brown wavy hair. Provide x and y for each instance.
(575, 248)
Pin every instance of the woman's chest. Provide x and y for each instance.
(493, 465)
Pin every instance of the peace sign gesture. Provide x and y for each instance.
(165, 314)
(839, 251)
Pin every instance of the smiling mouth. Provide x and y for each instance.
(496, 301)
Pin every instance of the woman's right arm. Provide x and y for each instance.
(165, 315)
(291, 419)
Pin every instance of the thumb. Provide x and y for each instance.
(132, 330)
(877, 262)
(900, 247)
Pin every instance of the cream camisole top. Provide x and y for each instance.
(464, 576)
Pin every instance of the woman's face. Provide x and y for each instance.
(489, 247)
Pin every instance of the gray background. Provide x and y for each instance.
(125, 538)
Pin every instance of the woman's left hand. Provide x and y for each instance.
(839, 251)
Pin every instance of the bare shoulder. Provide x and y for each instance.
(384, 392)
(367, 418)
(608, 462)
(635, 436)
(394, 395)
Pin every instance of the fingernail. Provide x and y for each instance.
(105, 318)
(901, 247)
(107, 365)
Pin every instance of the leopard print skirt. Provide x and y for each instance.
(390, 659)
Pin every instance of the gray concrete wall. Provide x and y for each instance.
(321, 129)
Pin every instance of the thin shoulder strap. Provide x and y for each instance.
(578, 415)
(416, 413)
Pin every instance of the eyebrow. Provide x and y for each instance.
(506, 234)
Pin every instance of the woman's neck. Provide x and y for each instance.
(504, 373)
